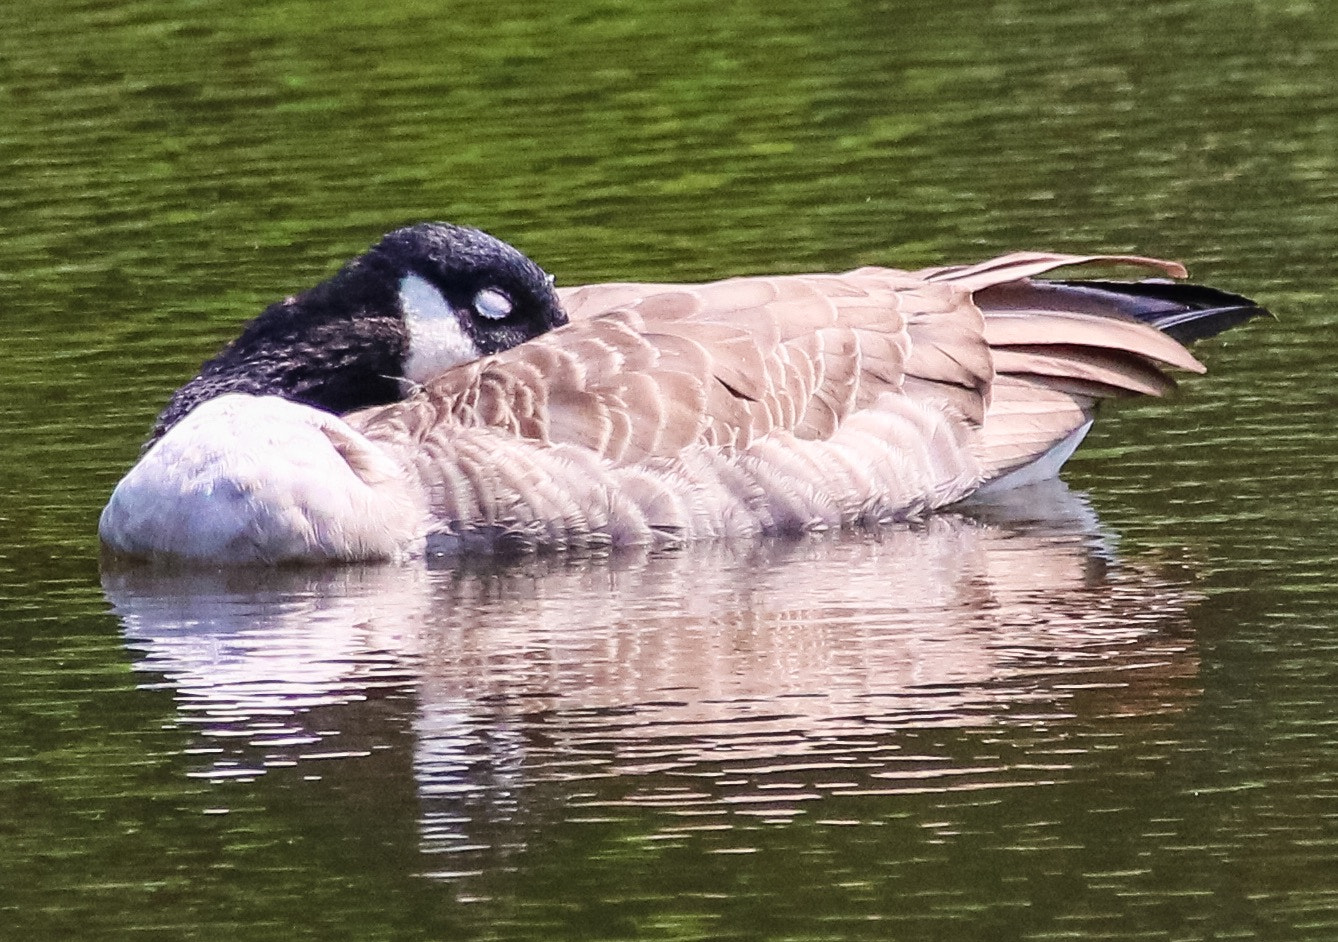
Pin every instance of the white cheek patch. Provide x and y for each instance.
(437, 342)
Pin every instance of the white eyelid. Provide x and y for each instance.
(492, 304)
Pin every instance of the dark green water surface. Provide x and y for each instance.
(1106, 711)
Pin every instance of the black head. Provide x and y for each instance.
(422, 300)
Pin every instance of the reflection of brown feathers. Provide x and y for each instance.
(668, 412)
(789, 665)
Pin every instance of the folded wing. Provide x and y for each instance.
(804, 380)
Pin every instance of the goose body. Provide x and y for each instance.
(669, 413)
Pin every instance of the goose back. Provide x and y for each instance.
(665, 413)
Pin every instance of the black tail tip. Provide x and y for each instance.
(1186, 312)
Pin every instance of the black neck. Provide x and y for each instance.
(338, 347)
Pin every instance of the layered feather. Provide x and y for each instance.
(665, 413)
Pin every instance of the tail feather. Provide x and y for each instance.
(1187, 313)
(1103, 373)
(1060, 347)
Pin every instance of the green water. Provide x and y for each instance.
(1104, 713)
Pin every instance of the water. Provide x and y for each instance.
(1102, 711)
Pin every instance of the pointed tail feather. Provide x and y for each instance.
(1188, 313)
(1060, 347)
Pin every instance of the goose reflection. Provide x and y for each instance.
(725, 680)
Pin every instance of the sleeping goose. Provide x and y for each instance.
(433, 398)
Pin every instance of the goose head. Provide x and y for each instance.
(422, 300)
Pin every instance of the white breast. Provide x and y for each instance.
(259, 479)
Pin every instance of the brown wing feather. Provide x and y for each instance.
(644, 370)
(1112, 372)
(1020, 265)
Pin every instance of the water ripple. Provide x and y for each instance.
(716, 686)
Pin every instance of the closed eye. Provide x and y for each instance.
(492, 304)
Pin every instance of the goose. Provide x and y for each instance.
(439, 395)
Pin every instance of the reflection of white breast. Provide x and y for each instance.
(249, 656)
(702, 656)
